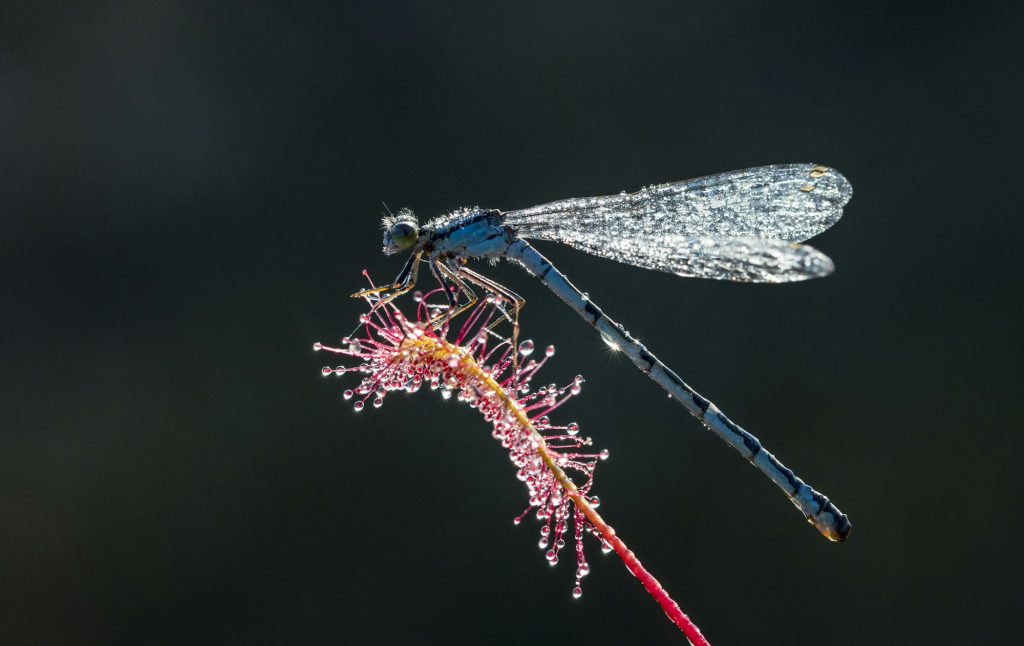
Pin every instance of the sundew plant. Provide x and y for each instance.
(465, 358)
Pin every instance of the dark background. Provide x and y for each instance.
(188, 192)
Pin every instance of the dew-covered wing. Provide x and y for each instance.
(792, 202)
(748, 260)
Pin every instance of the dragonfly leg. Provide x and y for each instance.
(405, 281)
(517, 301)
(441, 272)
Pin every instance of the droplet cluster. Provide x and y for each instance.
(482, 369)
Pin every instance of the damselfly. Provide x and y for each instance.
(741, 226)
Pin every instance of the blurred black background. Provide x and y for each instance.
(189, 190)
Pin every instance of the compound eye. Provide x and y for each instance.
(404, 234)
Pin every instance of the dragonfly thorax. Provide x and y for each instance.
(475, 233)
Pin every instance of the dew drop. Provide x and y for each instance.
(542, 543)
(577, 592)
(347, 394)
(583, 571)
(378, 402)
(526, 348)
(610, 342)
(326, 370)
(603, 455)
(550, 351)
(358, 406)
(595, 502)
(317, 346)
(573, 428)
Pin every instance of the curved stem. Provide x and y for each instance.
(629, 559)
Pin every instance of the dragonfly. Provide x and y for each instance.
(744, 226)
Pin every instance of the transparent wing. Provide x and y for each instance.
(748, 260)
(790, 202)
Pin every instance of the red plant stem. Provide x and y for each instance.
(652, 586)
(629, 559)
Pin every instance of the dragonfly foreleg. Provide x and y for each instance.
(405, 281)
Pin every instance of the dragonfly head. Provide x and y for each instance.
(401, 231)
